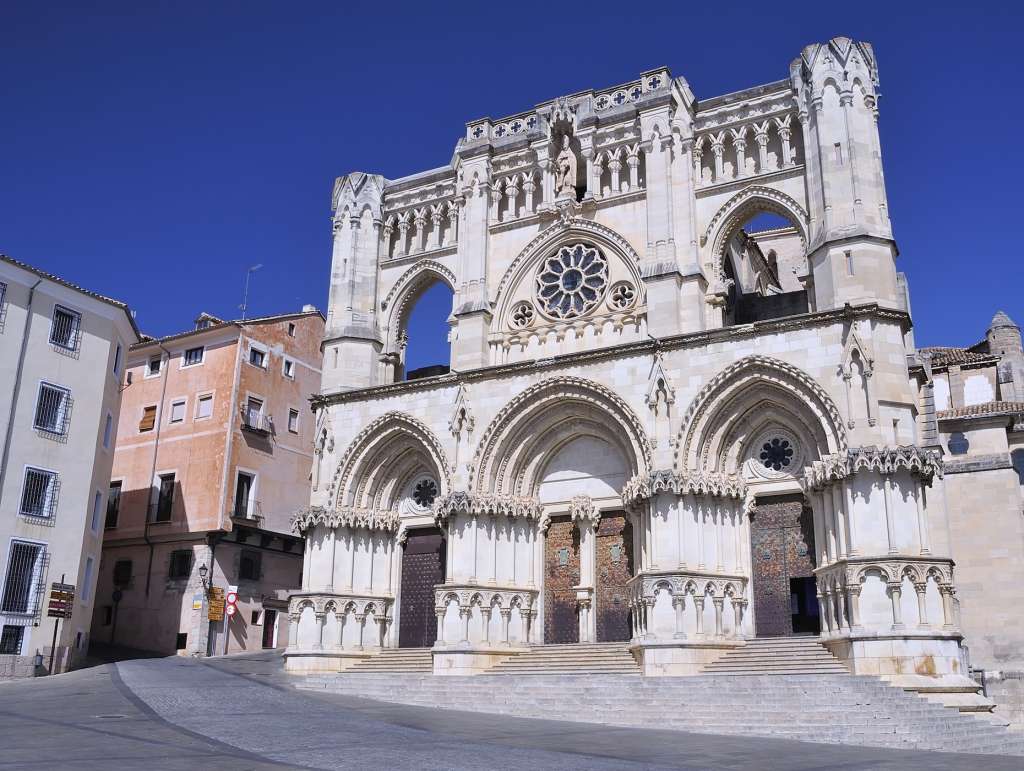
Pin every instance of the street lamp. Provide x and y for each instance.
(203, 570)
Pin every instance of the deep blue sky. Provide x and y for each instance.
(152, 151)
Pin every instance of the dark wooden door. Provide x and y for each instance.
(561, 574)
(422, 570)
(782, 549)
(614, 569)
(269, 627)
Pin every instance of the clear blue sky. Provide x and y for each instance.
(152, 151)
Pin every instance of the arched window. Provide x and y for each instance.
(425, 334)
(764, 259)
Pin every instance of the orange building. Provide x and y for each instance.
(213, 455)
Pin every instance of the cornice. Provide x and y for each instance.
(626, 350)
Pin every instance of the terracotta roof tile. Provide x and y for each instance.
(943, 357)
(981, 410)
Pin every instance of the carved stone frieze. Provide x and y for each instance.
(918, 461)
(642, 487)
(323, 603)
(344, 516)
(459, 502)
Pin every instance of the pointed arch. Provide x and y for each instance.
(744, 400)
(383, 457)
(408, 287)
(738, 209)
(535, 424)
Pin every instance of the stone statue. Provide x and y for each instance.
(565, 170)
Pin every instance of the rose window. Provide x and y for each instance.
(424, 492)
(622, 296)
(776, 454)
(572, 282)
(522, 315)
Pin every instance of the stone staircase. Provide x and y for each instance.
(583, 658)
(778, 656)
(825, 708)
(397, 660)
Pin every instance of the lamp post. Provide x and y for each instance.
(245, 295)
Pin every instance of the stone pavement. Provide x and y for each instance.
(241, 713)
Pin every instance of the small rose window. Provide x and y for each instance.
(572, 282)
(424, 492)
(776, 454)
(522, 315)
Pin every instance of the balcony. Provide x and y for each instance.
(250, 512)
(257, 423)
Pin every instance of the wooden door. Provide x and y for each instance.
(422, 569)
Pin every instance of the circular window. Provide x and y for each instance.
(776, 454)
(424, 492)
(572, 282)
(522, 315)
(622, 296)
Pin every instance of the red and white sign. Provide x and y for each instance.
(231, 610)
(232, 598)
(231, 601)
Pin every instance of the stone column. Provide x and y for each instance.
(361, 620)
(718, 148)
(511, 193)
(529, 185)
(700, 509)
(321, 623)
(633, 161)
(895, 592)
(615, 166)
(922, 518)
(440, 611)
(761, 137)
(920, 588)
(434, 240)
(719, 603)
(948, 620)
(293, 630)
(597, 168)
(485, 614)
(506, 615)
(453, 224)
(464, 613)
(679, 605)
(698, 603)
(890, 524)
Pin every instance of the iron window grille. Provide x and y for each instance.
(25, 582)
(66, 329)
(113, 505)
(192, 356)
(39, 493)
(11, 639)
(249, 566)
(122, 573)
(53, 407)
(181, 564)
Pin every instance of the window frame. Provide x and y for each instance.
(172, 574)
(257, 561)
(52, 492)
(148, 374)
(200, 398)
(97, 507)
(156, 416)
(76, 327)
(64, 411)
(296, 413)
(88, 568)
(114, 573)
(291, 329)
(285, 361)
(262, 351)
(119, 484)
(183, 402)
(185, 363)
(108, 431)
(160, 479)
(250, 502)
(118, 356)
(36, 589)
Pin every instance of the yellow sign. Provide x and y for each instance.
(215, 611)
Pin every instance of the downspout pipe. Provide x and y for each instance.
(17, 386)
(152, 472)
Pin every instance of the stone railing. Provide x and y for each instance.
(352, 614)
(683, 587)
(479, 604)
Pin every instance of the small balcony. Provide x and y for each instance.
(257, 423)
(250, 512)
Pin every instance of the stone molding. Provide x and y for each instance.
(712, 484)
(460, 502)
(340, 604)
(344, 516)
(648, 584)
(886, 461)
(851, 572)
(583, 511)
(486, 597)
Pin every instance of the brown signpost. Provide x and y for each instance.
(61, 605)
(215, 610)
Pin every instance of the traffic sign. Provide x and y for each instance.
(231, 610)
(232, 598)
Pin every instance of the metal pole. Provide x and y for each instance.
(56, 626)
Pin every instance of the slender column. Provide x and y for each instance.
(486, 615)
(738, 517)
(844, 495)
(361, 618)
(321, 624)
(403, 235)
(307, 562)
(739, 141)
(506, 614)
(389, 544)
(440, 623)
(718, 148)
(761, 137)
(615, 165)
(293, 629)
(464, 613)
(633, 161)
(340, 617)
(371, 547)
(496, 202)
(421, 230)
(698, 604)
(895, 592)
(476, 548)
(529, 185)
(854, 606)
(531, 539)
(842, 548)
(737, 615)
(947, 606)
(823, 605)
(512, 193)
(453, 224)
(450, 561)
(494, 551)
(719, 603)
(634, 618)
(333, 541)
(679, 605)
(648, 605)
(922, 518)
(921, 588)
(353, 547)
(434, 239)
(597, 169)
(583, 621)
(701, 510)
(830, 526)
(841, 609)
(890, 524)
(720, 536)
(680, 513)
(819, 507)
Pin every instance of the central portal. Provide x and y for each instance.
(561, 576)
(614, 569)
(782, 551)
(422, 570)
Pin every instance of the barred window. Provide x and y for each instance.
(113, 504)
(23, 584)
(165, 499)
(66, 328)
(52, 409)
(122, 572)
(11, 640)
(39, 493)
(181, 564)
(192, 356)
(249, 566)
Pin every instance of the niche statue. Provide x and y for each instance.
(565, 170)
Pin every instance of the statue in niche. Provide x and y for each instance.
(565, 170)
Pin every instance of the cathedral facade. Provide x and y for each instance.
(662, 425)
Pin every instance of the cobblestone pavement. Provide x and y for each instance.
(240, 713)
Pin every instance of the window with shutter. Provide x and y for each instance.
(113, 504)
(192, 356)
(148, 418)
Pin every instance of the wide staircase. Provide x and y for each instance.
(583, 658)
(778, 656)
(596, 685)
(396, 660)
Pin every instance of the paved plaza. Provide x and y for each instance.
(240, 713)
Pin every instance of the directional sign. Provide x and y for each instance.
(62, 600)
(215, 611)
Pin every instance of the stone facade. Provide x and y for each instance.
(621, 342)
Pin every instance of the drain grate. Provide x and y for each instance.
(111, 717)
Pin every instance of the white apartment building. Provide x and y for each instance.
(62, 352)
